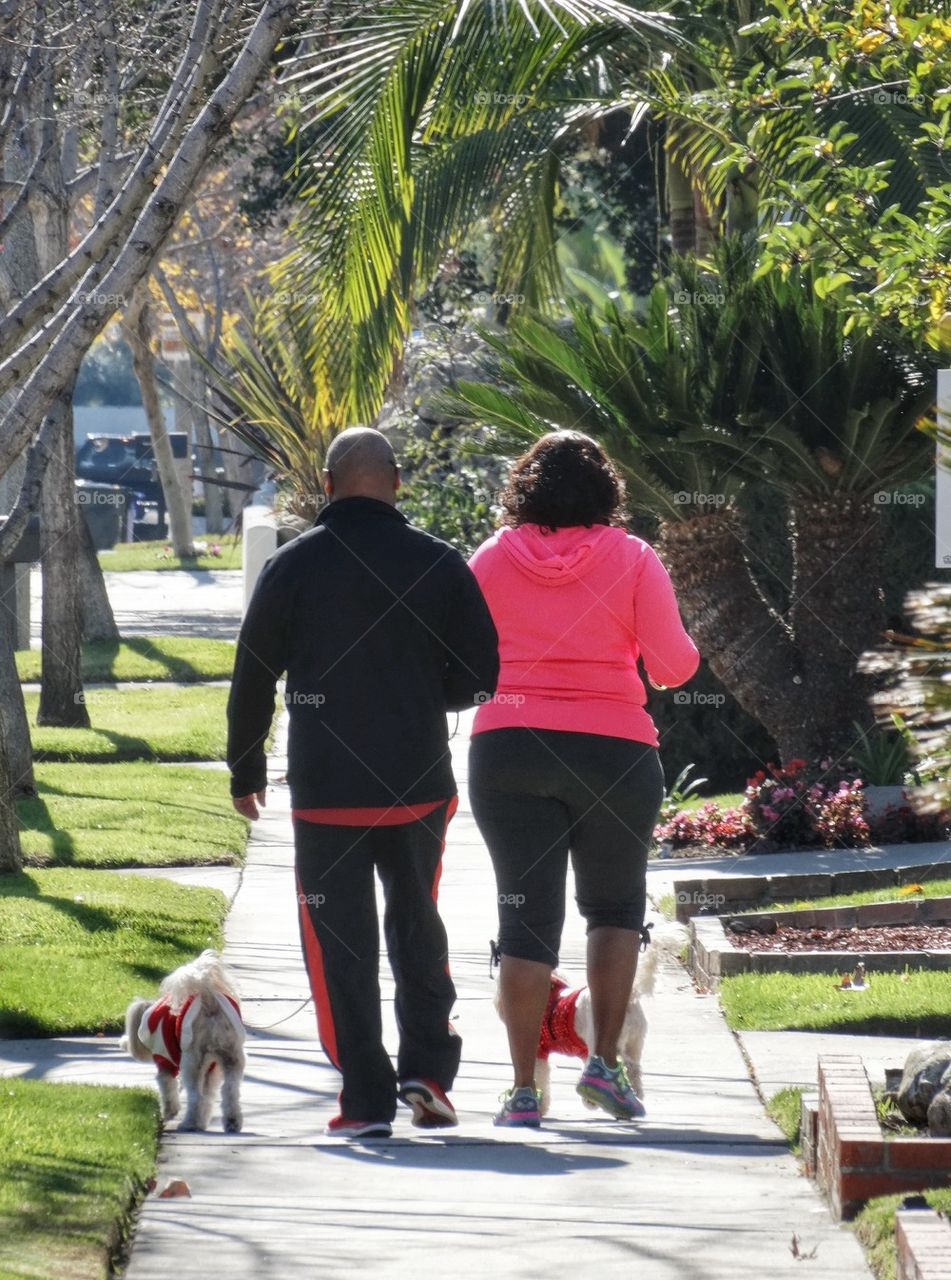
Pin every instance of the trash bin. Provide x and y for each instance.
(105, 507)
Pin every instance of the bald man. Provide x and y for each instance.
(381, 630)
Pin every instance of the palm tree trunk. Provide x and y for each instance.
(747, 645)
(837, 611)
(61, 692)
(681, 210)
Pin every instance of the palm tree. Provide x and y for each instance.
(428, 118)
(727, 381)
(271, 392)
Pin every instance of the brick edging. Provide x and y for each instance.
(853, 1161)
(923, 1244)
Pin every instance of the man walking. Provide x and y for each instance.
(381, 629)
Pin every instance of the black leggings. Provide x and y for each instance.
(542, 795)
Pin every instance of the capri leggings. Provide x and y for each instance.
(540, 796)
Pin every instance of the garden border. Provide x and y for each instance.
(844, 1147)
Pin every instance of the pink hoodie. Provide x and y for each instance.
(574, 609)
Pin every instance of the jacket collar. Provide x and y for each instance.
(358, 509)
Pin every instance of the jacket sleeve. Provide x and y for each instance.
(260, 661)
(669, 655)
(472, 646)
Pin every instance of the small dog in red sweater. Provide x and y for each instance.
(568, 1027)
(194, 1028)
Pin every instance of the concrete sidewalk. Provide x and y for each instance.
(702, 1189)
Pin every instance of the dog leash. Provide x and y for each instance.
(293, 1014)
(495, 954)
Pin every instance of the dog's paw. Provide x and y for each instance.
(232, 1124)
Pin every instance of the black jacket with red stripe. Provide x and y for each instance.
(381, 630)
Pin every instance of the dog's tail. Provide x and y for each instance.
(130, 1041)
(646, 974)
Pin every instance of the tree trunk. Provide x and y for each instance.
(681, 209)
(61, 695)
(135, 325)
(837, 612)
(99, 622)
(748, 646)
(11, 856)
(214, 504)
(18, 751)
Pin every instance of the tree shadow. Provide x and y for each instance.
(33, 814)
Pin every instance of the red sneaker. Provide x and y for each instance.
(431, 1108)
(341, 1127)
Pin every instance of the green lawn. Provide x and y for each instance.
(151, 723)
(726, 800)
(891, 893)
(130, 815)
(78, 945)
(181, 658)
(74, 1159)
(129, 556)
(784, 1108)
(916, 1004)
(875, 1228)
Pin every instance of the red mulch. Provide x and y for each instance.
(911, 937)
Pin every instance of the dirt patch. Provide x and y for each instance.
(916, 937)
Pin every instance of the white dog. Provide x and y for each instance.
(568, 1027)
(195, 1026)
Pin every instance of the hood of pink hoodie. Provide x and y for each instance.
(561, 556)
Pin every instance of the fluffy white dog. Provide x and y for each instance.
(568, 1027)
(194, 1027)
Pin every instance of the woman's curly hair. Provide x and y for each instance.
(566, 479)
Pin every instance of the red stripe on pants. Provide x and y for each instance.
(451, 807)
(314, 962)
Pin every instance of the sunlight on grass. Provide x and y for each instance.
(182, 658)
(78, 945)
(916, 1004)
(74, 1159)
(126, 557)
(157, 723)
(130, 815)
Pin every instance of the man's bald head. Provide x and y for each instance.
(360, 463)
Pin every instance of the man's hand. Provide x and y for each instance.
(247, 806)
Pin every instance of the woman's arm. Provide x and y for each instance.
(670, 656)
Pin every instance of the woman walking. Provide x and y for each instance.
(563, 760)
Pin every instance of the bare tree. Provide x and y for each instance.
(136, 326)
(141, 178)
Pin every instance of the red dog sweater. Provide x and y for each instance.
(165, 1032)
(558, 1025)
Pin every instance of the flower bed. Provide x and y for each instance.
(793, 807)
